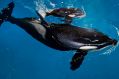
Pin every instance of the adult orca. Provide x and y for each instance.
(62, 37)
(67, 13)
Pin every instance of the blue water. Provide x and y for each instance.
(23, 57)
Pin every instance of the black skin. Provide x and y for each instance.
(62, 37)
(65, 12)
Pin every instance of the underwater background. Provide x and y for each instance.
(23, 57)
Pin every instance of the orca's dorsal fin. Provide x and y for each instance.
(43, 22)
(77, 59)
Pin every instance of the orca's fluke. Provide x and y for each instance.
(77, 59)
(6, 12)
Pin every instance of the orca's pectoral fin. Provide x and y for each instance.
(77, 59)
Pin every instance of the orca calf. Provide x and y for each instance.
(67, 13)
(62, 37)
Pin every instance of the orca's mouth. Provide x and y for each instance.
(115, 42)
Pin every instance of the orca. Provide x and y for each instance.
(63, 37)
(67, 13)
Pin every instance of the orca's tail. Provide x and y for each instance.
(6, 13)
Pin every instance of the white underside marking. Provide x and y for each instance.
(87, 47)
(41, 30)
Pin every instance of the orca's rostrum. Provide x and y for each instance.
(62, 37)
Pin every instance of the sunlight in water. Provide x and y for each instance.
(42, 8)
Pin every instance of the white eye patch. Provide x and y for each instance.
(88, 47)
(71, 15)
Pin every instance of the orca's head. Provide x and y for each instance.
(99, 46)
(77, 13)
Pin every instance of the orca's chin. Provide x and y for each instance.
(115, 42)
